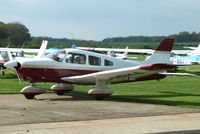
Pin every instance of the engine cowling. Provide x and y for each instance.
(30, 91)
(60, 89)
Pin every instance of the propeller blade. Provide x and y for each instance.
(18, 76)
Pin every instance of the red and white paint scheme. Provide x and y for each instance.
(72, 66)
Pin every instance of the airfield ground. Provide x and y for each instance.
(134, 108)
(41, 115)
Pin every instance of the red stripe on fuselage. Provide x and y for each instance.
(50, 74)
(54, 75)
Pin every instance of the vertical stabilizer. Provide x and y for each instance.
(197, 50)
(162, 53)
(125, 54)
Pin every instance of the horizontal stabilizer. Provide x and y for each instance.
(178, 74)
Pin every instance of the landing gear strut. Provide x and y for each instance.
(100, 91)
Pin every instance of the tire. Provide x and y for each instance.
(29, 96)
(99, 98)
(60, 93)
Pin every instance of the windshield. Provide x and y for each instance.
(17, 54)
(57, 55)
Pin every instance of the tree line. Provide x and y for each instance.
(13, 34)
(180, 37)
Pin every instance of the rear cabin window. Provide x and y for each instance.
(108, 63)
(93, 60)
(76, 58)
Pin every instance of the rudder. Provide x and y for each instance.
(162, 53)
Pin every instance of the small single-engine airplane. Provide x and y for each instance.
(72, 66)
(196, 50)
(192, 58)
(123, 55)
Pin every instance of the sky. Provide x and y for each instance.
(100, 19)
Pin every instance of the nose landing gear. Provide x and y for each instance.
(30, 91)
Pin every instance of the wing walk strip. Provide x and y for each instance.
(105, 75)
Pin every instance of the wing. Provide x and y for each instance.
(140, 51)
(119, 75)
(178, 52)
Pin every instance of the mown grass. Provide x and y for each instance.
(181, 91)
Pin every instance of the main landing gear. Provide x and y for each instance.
(62, 88)
(101, 91)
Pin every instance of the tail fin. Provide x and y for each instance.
(162, 53)
(126, 52)
(197, 50)
(42, 49)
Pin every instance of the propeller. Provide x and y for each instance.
(13, 65)
(15, 70)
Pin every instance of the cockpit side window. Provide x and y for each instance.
(58, 55)
(93, 60)
(76, 58)
(108, 63)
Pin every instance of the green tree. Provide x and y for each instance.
(3, 33)
(18, 33)
(37, 41)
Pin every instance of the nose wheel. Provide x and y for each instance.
(29, 96)
(29, 92)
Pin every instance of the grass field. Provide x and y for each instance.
(181, 91)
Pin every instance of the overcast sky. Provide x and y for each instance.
(99, 19)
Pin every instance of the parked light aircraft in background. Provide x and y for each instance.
(192, 58)
(136, 51)
(196, 50)
(123, 55)
(185, 60)
(73, 66)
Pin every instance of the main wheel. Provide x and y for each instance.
(60, 92)
(29, 96)
(99, 97)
